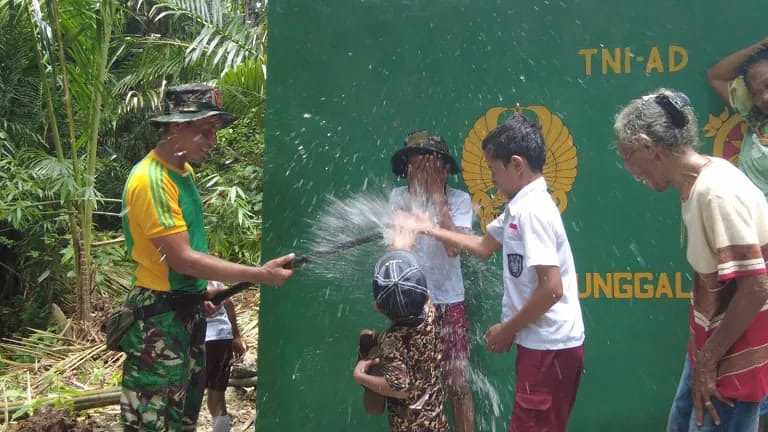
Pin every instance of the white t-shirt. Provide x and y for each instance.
(531, 233)
(218, 326)
(724, 214)
(444, 279)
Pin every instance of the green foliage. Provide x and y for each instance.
(232, 184)
(243, 88)
(20, 99)
(110, 178)
(201, 41)
(51, 167)
(223, 36)
(30, 183)
(115, 269)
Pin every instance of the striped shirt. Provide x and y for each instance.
(159, 200)
(727, 221)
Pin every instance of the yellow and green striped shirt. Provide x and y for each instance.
(159, 200)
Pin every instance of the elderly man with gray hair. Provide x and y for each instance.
(726, 218)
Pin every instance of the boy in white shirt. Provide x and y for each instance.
(223, 345)
(540, 308)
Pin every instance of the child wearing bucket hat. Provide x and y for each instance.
(425, 161)
(406, 369)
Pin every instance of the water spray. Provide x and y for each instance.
(299, 262)
(341, 247)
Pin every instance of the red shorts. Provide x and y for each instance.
(547, 382)
(454, 331)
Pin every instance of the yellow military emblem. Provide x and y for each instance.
(728, 131)
(559, 170)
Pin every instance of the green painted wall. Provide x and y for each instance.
(348, 79)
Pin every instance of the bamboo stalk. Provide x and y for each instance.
(243, 382)
(5, 400)
(52, 119)
(12, 363)
(36, 347)
(89, 400)
(53, 335)
(81, 270)
(88, 206)
(108, 242)
(24, 349)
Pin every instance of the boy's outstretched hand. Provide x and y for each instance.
(402, 239)
(417, 222)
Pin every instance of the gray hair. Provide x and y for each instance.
(665, 116)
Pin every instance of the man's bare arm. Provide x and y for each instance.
(548, 292)
(177, 252)
(750, 297)
(483, 246)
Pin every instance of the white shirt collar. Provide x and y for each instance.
(538, 185)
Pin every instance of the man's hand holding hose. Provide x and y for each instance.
(274, 272)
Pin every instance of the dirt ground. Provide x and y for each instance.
(53, 420)
(241, 401)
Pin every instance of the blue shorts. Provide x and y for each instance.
(742, 417)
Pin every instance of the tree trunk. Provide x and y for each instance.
(45, 64)
(87, 204)
(82, 228)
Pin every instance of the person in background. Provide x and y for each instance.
(741, 80)
(163, 379)
(223, 346)
(725, 375)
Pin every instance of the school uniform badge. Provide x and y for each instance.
(515, 264)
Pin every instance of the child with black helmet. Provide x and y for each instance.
(407, 365)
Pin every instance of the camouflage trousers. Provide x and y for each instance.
(164, 371)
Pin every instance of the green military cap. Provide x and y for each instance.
(422, 142)
(190, 102)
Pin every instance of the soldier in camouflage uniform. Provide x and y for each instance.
(164, 371)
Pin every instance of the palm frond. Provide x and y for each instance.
(224, 37)
(20, 91)
(141, 77)
(243, 87)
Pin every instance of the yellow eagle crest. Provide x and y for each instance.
(727, 131)
(560, 168)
